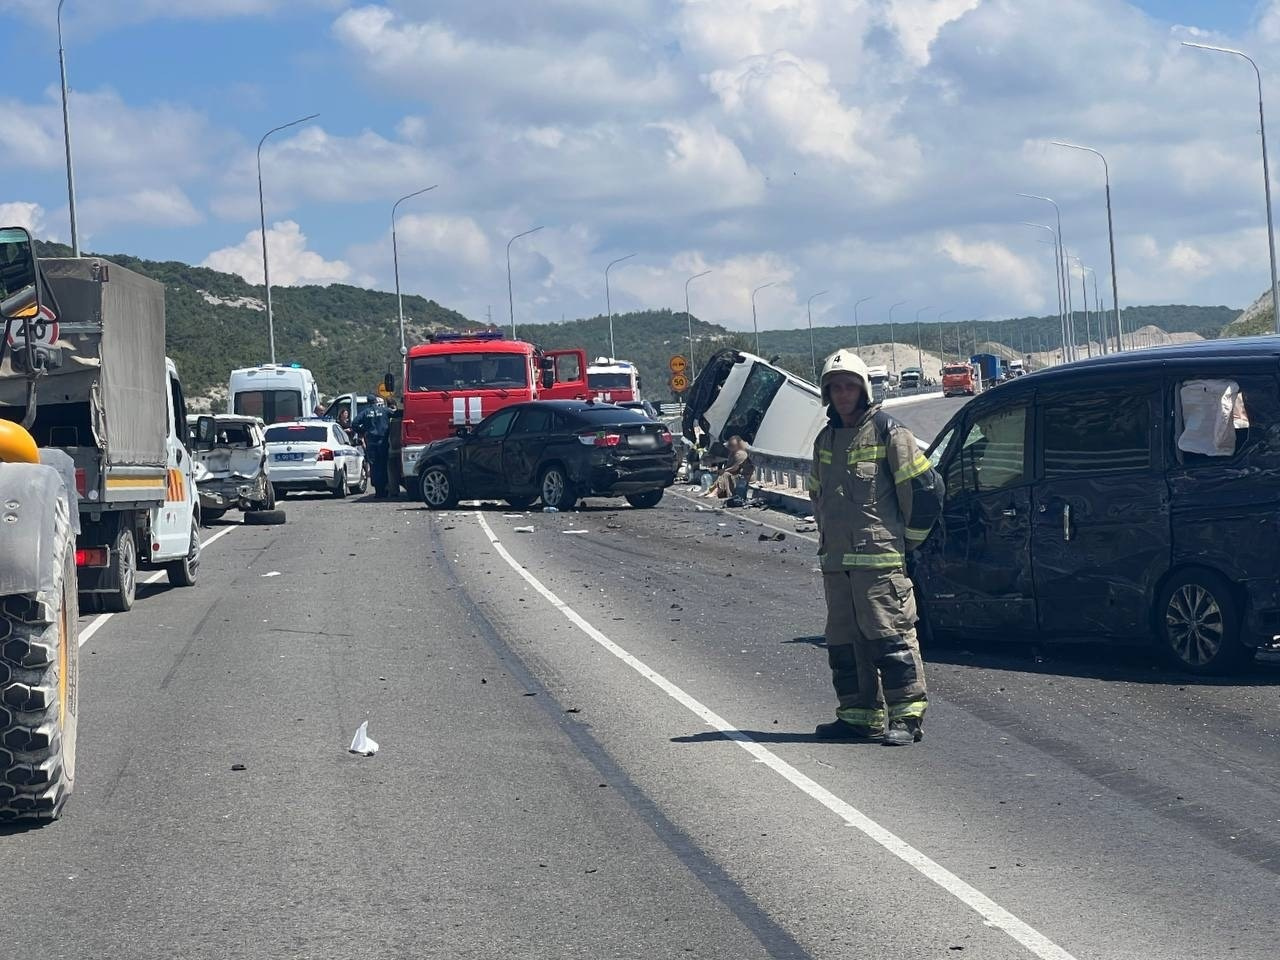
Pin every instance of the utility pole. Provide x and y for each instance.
(66, 137)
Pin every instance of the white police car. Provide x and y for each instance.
(314, 455)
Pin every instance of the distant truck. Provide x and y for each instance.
(105, 394)
(1015, 369)
(990, 368)
(881, 383)
(958, 380)
(911, 378)
(458, 379)
(613, 381)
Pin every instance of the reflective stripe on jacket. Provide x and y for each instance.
(874, 492)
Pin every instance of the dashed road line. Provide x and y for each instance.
(98, 622)
(992, 913)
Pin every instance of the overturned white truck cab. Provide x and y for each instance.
(740, 394)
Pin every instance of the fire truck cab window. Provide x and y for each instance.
(469, 371)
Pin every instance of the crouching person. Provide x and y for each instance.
(875, 497)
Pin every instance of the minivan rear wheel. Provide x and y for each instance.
(1198, 623)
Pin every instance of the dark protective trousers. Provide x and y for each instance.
(872, 647)
(378, 467)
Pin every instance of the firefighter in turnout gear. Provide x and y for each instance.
(875, 497)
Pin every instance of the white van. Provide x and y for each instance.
(274, 393)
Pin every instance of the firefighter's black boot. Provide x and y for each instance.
(839, 729)
(903, 732)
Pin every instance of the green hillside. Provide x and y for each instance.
(345, 335)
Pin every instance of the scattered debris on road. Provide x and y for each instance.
(273, 573)
(522, 529)
(362, 744)
(574, 531)
(775, 537)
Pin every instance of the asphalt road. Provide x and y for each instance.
(598, 744)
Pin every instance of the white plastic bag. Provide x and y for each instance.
(362, 743)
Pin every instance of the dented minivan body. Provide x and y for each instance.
(1132, 497)
(231, 471)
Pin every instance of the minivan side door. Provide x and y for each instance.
(1101, 535)
(975, 570)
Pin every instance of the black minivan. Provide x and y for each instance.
(1133, 497)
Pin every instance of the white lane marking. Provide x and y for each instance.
(100, 620)
(759, 523)
(991, 912)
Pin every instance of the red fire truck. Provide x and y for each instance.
(458, 379)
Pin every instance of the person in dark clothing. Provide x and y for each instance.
(373, 426)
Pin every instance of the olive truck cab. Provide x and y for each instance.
(457, 379)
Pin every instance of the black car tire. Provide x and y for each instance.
(645, 500)
(1197, 623)
(264, 518)
(519, 503)
(124, 574)
(341, 490)
(208, 516)
(556, 488)
(182, 573)
(437, 488)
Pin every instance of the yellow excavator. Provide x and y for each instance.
(39, 615)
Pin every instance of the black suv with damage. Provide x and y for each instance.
(558, 451)
(1132, 497)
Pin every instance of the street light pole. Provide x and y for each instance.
(893, 346)
(813, 354)
(941, 361)
(1063, 278)
(1062, 320)
(754, 325)
(1111, 234)
(857, 331)
(608, 304)
(1266, 175)
(262, 217)
(511, 306)
(1084, 293)
(66, 137)
(920, 342)
(689, 319)
(1097, 305)
(395, 259)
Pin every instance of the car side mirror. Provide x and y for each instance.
(206, 430)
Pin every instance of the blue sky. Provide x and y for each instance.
(868, 147)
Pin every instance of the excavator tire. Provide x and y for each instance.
(39, 700)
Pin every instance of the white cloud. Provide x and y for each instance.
(458, 240)
(795, 98)
(23, 214)
(511, 75)
(917, 23)
(1000, 268)
(292, 264)
(163, 206)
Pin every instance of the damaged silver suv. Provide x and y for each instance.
(230, 468)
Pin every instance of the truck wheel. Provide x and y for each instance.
(341, 490)
(39, 649)
(124, 571)
(182, 573)
(557, 489)
(437, 488)
(1198, 624)
(645, 500)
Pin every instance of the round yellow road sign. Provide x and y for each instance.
(679, 383)
(679, 364)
